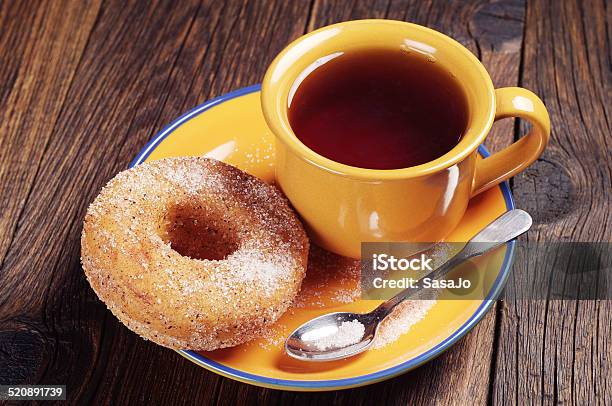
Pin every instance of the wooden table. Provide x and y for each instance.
(85, 84)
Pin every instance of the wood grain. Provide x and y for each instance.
(559, 351)
(39, 58)
(84, 85)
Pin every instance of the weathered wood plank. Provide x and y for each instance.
(133, 61)
(38, 61)
(43, 295)
(557, 351)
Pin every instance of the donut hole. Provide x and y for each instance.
(198, 232)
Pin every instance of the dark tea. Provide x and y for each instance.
(379, 109)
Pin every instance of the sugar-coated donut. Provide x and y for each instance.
(192, 253)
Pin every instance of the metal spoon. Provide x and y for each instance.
(301, 343)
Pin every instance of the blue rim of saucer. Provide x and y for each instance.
(310, 385)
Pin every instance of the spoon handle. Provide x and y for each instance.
(503, 229)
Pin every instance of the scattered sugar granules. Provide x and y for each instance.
(399, 322)
(325, 269)
(348, 333)
(273, 336)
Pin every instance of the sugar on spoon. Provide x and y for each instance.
(303, 343)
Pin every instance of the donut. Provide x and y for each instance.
(193, 253)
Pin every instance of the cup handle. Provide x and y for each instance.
(514, 102)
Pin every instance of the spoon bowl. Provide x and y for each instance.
(315, 340)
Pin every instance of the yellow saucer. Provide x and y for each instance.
(231, 128)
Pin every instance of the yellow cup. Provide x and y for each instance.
(342, 205)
